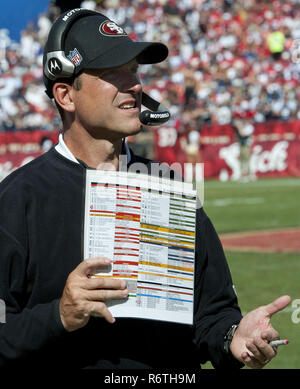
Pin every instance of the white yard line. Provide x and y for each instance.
(224, 202)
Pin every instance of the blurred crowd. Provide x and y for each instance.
(228, 59)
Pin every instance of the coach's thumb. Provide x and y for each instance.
(277, 305)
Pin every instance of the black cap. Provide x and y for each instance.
(92, 41)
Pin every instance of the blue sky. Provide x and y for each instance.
(15, 14)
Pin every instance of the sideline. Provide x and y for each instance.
(260, 182)
(283, 240)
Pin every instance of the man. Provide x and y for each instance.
(56, 315)
(244, 132)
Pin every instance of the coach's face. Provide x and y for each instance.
(108, 102)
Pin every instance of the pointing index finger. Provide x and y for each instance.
(277, 305)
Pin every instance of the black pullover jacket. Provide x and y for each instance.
(41, 224)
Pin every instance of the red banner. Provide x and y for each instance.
(275, 150)
(21, 147)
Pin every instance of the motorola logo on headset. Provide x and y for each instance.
(54, 66)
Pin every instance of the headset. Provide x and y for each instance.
(57, 65)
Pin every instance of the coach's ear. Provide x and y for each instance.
(62, 93)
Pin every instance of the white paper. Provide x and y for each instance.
(146, 225)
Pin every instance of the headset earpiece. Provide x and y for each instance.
(57, 65)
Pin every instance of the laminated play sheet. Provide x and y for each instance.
(146, 226)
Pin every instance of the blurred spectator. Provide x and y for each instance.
(276, 41)
(227, 59)
(191, 143)
(244, 131)
(46, 144)
(88, 4)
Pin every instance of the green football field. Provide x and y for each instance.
(259, 278)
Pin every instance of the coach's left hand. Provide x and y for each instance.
(250, 342)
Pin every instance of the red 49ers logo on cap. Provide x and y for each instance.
(110, 28)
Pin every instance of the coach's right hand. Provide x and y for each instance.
(84, 297)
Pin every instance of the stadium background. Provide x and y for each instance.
(221, 69)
